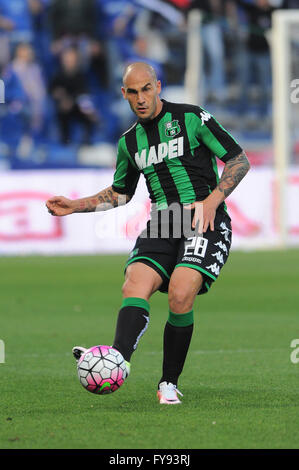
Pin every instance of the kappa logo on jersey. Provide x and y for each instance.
(204, 117)
(172, 149)
(172, 128)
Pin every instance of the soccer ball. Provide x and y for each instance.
(102, 370)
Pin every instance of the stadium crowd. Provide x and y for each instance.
(62, 60)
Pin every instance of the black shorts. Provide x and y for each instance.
(207, 253)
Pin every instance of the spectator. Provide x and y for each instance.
(290, 4)
(161, 38)
(16, 20)
(12, 112)
(73, 22)
(72, 18)
(257, 65)
(42, 36)
(115, 23)
(73, 103)
(214, 85)
(30, 76)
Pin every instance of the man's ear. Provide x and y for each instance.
(123, 92)
(159, 87)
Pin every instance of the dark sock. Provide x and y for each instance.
(177, 337)
(132, 322)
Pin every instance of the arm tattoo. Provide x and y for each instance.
(111, 198)
(103, 201)
(234, 171)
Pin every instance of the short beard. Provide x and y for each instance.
(144, 119)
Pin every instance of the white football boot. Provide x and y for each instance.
(78, 351)
(167, 394)
(128, 366)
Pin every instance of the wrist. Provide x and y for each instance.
(88, 204)
(215, 198)
(74, 205)
(79, 205)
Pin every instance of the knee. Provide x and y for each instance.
(136, 288)
(141, 281)
(129, 288)
(180, 300)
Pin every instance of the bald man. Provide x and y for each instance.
(188, 237)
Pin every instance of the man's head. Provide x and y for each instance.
(141, 88)
(24, 53)
(70, 60)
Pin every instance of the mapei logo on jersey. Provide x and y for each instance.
(156, 154)
(172, 128)
(205, 117)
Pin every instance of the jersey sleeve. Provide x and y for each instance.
(215, 137)
(126, 175)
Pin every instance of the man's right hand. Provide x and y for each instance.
(59, 206)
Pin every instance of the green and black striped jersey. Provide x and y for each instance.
(176, 151)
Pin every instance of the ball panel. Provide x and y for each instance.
(93, 362)
(84, 365)
(83, 382)
(109, 364)
(104, 350)
(83, 373)
(105, 373)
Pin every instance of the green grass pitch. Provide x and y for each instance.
(240, 386)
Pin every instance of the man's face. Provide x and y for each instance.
(142, 92)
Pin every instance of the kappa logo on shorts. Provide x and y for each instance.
(214, 268)
(226, 231)
(172, 128)
(219, 256)
(222, 246)
(134, 253)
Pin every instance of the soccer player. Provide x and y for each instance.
(188, 237)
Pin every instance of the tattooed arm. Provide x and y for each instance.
(234, 171)
(102, 201)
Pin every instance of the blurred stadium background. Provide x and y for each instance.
(62, 112)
